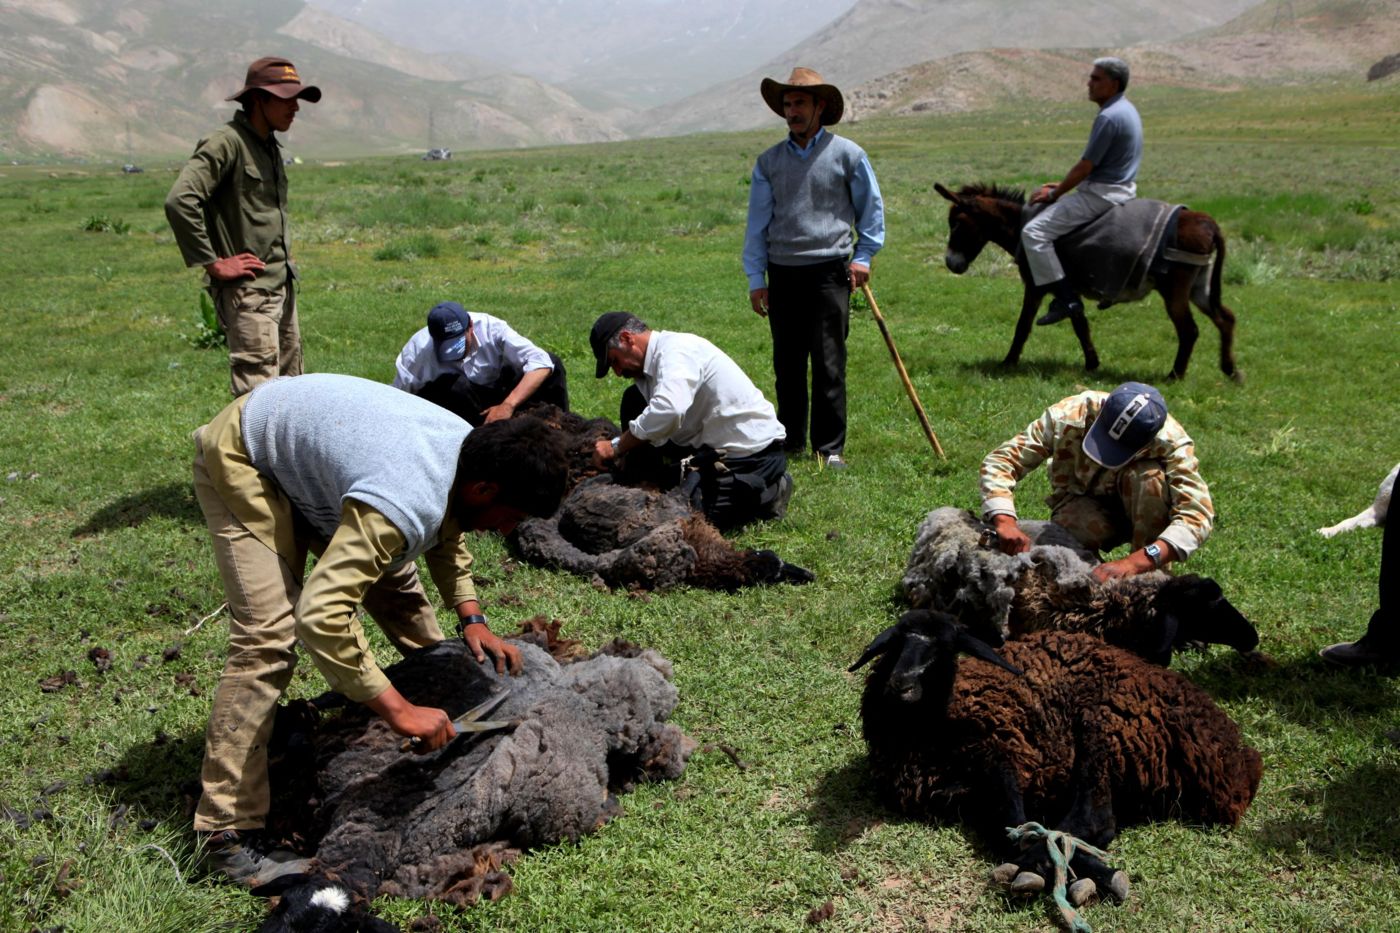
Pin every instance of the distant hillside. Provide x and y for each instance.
(877, 37)
(1281, 40)
(640, 52)
(76, 74)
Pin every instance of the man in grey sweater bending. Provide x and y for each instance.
(368, 478)
(816, 220)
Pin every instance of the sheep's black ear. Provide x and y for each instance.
(877, 647)
(982, 651)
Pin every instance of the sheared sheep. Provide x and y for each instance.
(626, 536)
(443, 825)
(1061, 729)
(956, 568)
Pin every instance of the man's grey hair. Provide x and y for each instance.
(633, 325)
(1115, 68)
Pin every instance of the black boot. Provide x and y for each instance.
(1065, 303)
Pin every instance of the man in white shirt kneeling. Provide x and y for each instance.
(478, 367)
(693, 419)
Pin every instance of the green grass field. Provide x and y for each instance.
(103, 545)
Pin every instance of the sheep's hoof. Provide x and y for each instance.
(1028, 882)
(1005, 872)
(1118, 887)
(1082, 891)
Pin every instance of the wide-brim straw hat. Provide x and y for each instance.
(807, 80)
(279, 77)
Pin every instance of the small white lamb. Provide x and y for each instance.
(1372, 517)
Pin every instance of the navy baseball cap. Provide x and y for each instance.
(604, 329)
(1130, 418)
(448, 324)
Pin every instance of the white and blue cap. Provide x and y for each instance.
(448, 324)
(1130, 418)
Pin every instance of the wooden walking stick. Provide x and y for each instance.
(903, 373)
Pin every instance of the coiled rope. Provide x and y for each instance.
(1061, 847)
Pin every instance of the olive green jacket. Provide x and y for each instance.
(231, 198)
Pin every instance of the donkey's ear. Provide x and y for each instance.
(945, 192)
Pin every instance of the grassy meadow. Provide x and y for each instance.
(102, 544)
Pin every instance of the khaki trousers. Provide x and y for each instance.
(262, 588)
(264, 337)
(1139, 512)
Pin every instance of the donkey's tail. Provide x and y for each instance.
(1217, 269)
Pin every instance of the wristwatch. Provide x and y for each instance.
(1154, 552)
(475, 618)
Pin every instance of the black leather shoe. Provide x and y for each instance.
(1359, 654)
(1060, 309)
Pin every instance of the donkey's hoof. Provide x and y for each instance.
(1082, 892)
(1237, 377)
(1028, 882)
(1004, 873)
(1091, 363)
(1118, 887)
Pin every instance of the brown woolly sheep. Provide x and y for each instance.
(1061, 729)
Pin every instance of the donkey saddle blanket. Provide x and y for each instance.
(1112, 256)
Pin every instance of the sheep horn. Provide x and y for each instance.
(875, 648)
(981, 650)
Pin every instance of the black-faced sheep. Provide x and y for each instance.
(956, 568)
(442, 825)
(624, 536)
(1060, 729)
(317, 904)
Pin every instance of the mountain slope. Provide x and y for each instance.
(877, 37)
(1292, 40)
(76, 76)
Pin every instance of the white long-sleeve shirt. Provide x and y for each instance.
(697, 396)
(497, 344)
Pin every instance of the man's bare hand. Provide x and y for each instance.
(481, 640)
(859, 276)
(427, 728)
(603, 452)
(233, 268)
(498, 412)
(1010, 538)
(758, 298)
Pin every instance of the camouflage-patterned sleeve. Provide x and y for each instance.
(1003, 468)
(1192, 512)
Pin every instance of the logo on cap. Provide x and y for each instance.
(1125, 418)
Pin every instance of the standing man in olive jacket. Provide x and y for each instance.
(228, 210)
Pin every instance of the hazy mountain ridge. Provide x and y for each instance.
(877, 37)
(1273, 42)
(641, 52)
(77, 76)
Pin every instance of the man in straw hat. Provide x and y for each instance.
(228, 210)
(1121, 470)
(816, 220)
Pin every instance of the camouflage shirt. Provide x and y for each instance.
(1058, 435)
(230, 198)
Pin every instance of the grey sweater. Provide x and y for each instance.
(324, 438)
(814, 215)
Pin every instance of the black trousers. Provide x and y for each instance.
(467, 400)
(1383, 634)
(730, 491)
(809, 313)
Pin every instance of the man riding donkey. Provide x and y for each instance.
(1104, 176)
(1069, 240)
